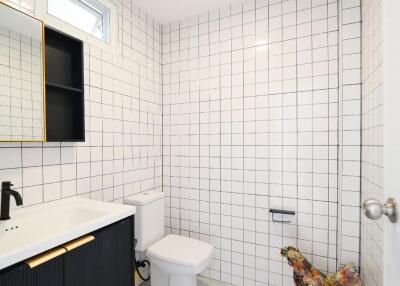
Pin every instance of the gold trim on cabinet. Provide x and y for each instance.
(43, 80)
(45, 257)
(78, 242)
(44, 84)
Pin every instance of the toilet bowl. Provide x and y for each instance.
(175, 260)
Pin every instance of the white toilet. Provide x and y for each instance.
(175, 260)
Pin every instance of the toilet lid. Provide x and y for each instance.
(180, 250)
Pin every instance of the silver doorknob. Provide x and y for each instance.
(373, 209)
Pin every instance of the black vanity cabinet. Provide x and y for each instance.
(103, 260)
(114, 248)
(17, 276)
(79, 265)
(47, 274)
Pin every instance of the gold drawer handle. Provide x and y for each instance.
(78, 242)
(44, 257)
(51, 254)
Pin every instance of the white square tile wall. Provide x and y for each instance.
(123, 114)
(258, 104)
(231, 113)
(349, 131)
(372, 140)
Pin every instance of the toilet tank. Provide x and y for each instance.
(149, 218)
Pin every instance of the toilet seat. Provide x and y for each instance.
(176, 260)
(181, 251)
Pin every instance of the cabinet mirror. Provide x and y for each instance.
(21, 76)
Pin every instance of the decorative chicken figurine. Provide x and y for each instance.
(305, 274)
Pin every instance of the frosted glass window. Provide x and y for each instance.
(88, 15)
(22, 4)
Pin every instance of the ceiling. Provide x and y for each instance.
(167, 11)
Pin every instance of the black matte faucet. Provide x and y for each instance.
(6, 192)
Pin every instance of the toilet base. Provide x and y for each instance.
(182, 280)
(160, 278)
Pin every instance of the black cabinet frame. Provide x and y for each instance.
(65, 111)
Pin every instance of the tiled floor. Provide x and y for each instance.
(201, 282)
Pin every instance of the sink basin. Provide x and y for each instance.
(36, 229)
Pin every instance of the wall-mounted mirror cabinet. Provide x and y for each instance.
(41, 81)
(22, 91)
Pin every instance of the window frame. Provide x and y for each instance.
(20, 6)
(54, 22)
(93, 7)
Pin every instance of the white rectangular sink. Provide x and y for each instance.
(34, 230)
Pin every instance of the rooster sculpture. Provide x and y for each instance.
(305, 274)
